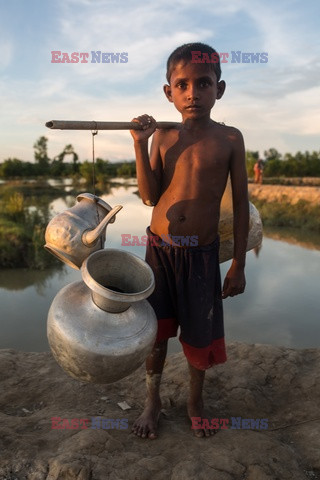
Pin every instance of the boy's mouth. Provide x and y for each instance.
(193, 107)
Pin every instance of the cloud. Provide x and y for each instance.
(268, 102)
(146, 39)
(6, 52)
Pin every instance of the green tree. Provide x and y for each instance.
(314, 162)
(41, 155)
(251, 158)
(102, 170)
(68, 149)
(272, 154)
(86, 171)
(127, 169)
(12, 167)
(57, 167)
(273, 164)
(273, 168)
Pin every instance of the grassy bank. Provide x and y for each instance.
(283, 214)
(22, 233)
(292, 181)
(21, 244)
(24, 215)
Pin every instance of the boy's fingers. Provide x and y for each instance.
(146, 121)
(225, 289)
(231, 291)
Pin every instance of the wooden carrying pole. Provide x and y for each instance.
(82, 125)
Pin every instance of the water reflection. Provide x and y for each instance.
(280, 305)
(257, 249)
(295, 236)
(15, 280)
(60, 182)
(60, 204)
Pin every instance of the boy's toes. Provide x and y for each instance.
(206, 432)
(144, 432)
(137, 430)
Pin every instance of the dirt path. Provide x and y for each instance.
(290, 194)
(258, 382)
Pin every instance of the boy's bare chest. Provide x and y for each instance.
(196, 159)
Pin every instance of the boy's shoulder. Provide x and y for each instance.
(230, 136)
(228, 130)
(219, 127)
(223, 133)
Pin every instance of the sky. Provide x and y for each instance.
(274, 104)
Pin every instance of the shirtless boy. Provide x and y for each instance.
(184, 179)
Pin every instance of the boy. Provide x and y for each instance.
(184, 180)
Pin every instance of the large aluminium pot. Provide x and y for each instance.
(102, 329)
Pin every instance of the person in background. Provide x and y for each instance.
(258, 171)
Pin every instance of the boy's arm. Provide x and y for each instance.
(148, 169)
(235, 279)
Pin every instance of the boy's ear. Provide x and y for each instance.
(167, 92)
(221, 89)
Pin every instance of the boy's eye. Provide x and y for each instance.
(181, 85)
(204, 83)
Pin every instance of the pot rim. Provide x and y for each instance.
(94, 199)
(111, 294)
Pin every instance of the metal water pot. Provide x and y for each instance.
(79, 231)
(102, 329)
(255, 233)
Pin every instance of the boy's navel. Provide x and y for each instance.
(182, 218)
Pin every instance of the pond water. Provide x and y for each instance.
(280, 305)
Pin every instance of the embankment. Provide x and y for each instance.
(282, 205)
(285, 193)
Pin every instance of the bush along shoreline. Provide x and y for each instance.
(24, 215)
(22, 236)
(23, 225)
(302, 214)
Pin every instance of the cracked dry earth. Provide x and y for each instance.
(258, 381)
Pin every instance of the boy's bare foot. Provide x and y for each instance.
(146, 425)
(196, 411)
(195, 404)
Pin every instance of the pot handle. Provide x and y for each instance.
(89, 237)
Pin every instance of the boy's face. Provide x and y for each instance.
(193, 89)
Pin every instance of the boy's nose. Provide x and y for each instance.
(193, 93)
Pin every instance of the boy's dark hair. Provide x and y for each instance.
(184, 54)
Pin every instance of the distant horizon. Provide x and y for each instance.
(80, 160)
